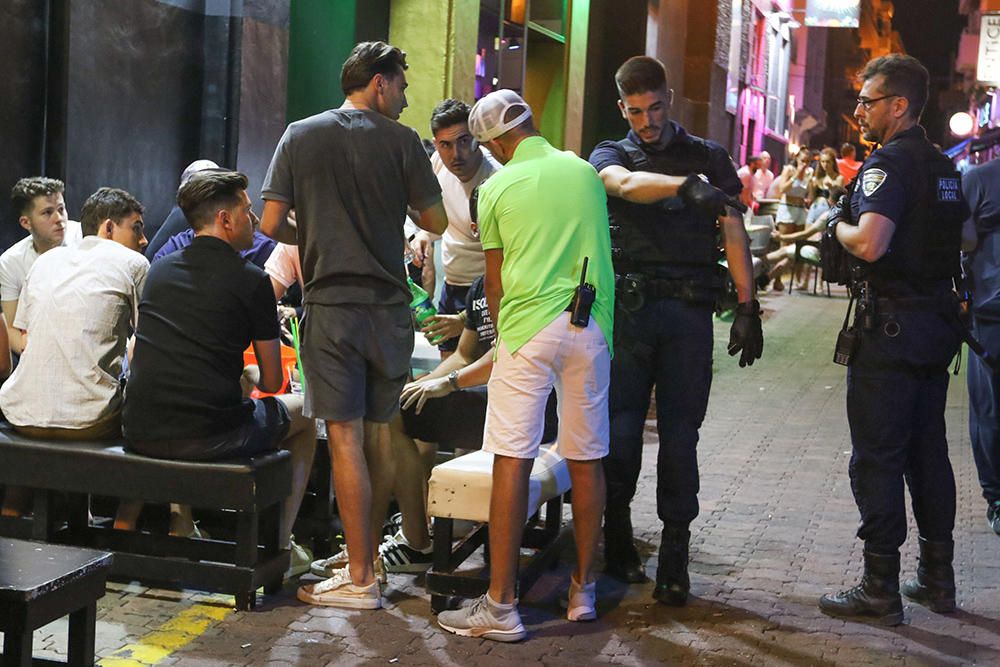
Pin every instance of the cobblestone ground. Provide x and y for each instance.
(776, 531)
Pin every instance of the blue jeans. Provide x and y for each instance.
(896, 392)
(667, 343)
(984, 410)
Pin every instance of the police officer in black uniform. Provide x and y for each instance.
(665, 235)
(902, 229)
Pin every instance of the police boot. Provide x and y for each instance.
(877, 595)
(621, 559)
(672, 581)
(934, 586)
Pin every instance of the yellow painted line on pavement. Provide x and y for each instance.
(176, 633)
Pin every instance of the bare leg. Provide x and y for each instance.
(301, 443)
(588, 508)
(354, 495)
(508, 512)
(16, 501)
(410, 487)
(127, 516)
(382, 473)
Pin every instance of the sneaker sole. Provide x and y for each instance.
(515, 635)
(344, 603)
(890, 620)
(584, 614)
(410, 568)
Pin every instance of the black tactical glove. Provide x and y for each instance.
(747, 334)
(833, 258)
(703, 195)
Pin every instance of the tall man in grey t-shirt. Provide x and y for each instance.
(350, 174)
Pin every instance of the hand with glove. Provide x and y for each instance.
(701, 194)
(420, 391)
(834, 259)
(747, 334)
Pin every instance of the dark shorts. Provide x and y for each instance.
(263, 432)
(452, 303)
(356, 359)
(458, 419)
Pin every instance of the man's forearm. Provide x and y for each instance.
(736, 245)
(16, 339)
(640, 187)
(275, 223)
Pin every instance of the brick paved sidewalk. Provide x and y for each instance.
(776, 531)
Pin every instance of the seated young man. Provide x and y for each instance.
(75, 314)
(445, 408)
(201, 308)
(42, 211)
(77, 310)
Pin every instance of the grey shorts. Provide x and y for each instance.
(356, 359)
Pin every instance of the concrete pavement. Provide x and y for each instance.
(776, 531)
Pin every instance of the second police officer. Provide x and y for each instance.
(665, 228)
(902, 229)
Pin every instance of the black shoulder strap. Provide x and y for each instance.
(639, 160)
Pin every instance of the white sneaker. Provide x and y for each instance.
(485, 618)
(581, 605)
(326, 567)
(301, 559)
(399, 556)
(339, 591)
(329, 567)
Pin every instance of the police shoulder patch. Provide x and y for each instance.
(872, 180)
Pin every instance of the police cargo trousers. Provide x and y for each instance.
(896, 391)
(667, 343)
(984, 410)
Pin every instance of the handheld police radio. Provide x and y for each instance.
(583, 300)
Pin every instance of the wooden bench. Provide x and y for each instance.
(40, 583)
(460, 489)
(237, 563)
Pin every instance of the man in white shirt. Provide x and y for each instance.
(77, 310)
(39, 203)
(763, 179)
(460, 165)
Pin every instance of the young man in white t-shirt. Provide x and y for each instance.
(460, 165)
(42, 211)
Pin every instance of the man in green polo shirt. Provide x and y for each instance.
(539, 218)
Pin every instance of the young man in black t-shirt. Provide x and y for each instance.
(201, 308)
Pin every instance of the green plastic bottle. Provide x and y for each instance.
(422, 306)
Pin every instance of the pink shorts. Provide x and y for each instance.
(577, 363)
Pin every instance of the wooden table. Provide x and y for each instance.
(40, 583)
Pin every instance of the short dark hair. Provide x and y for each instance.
(640, 74)
(107, 203)
(847, 149)
(23, 194)
(368, 59)
(449, 112)
(208, 191)
(754, 158)
(904, 76)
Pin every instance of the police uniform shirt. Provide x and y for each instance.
(675, 157)
(886, 179)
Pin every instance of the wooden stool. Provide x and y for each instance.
(42, 582)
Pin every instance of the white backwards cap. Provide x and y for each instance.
(486, 118)
(195, 167)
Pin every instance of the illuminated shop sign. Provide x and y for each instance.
(988, 70)
(833, 13)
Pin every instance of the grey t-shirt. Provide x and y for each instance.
(350, 174)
